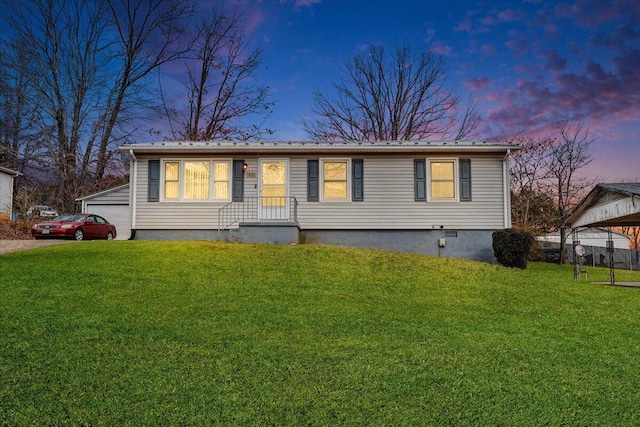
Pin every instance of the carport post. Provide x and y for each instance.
(576, 261)
(610, 250)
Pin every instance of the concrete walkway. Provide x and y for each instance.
(621, 284)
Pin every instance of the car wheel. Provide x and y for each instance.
(79, 234)
(109, 236)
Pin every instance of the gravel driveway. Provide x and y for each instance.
(7, 246)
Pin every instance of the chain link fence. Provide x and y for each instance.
(595, 256)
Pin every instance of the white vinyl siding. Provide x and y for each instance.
(6, 193)
(389, 200)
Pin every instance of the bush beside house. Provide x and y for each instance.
(511, 247)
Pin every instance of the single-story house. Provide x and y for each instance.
(6, 191)
(589, 236)
(113, 205)
(444, 198)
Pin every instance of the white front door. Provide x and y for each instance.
(273, 204)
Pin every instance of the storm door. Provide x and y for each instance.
(273, 203)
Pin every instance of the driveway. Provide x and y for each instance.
(7, 246)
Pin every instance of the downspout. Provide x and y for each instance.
(507, 190)
(133, 193)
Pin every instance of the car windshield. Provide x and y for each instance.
(69, 218)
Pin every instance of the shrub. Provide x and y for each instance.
(15, 230)
(511, 247)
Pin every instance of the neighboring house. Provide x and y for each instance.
(113, 205)
(589, 236)
(6, 191)
(441, 198)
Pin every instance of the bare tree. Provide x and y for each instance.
(83, 83)
(532, 209)
(397, 97)
(221, 91)
(570, 153)
(19, 144)
(634, 236)
(149, 35)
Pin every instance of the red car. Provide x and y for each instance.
(75, 226)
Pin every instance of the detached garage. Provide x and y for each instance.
(113, 205)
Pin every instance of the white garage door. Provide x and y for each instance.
(117, 215)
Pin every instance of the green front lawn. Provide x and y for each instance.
(198, 333)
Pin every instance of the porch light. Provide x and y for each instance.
(244, 166)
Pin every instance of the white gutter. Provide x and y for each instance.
(133, 189)
(506, 190)
(309, 148)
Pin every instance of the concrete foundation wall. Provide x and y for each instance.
(465, 244)
(176, 235)
(278, 233)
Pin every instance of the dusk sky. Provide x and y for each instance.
(522, 60)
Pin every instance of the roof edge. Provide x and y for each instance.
(10, 171)
(309, 146)
(100, 193)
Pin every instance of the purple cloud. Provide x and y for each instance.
(441, 48)
(477, 84)
(303, 3)
(595, 94)
(554, 61)
(518, 43)
(488, 49)
(508, 15)
(594, 13)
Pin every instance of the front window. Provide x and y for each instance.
(442, 185)
(221, 174)
(171, 180)
(335, 179)
(197, 180)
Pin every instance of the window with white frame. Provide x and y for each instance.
(442, 179)
(171, 189)
(196, 180)
(335, 179)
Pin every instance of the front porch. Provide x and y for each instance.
(267, 219)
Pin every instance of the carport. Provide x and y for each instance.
(607, 205)
(113, 205)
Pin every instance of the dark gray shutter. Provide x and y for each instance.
(420, 180)
(357, 166)
(313, 181)
(238, 181)
(465, 180)
(153, 186)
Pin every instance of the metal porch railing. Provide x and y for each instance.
(258, 209)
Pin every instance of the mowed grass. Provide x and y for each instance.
(199, 333)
